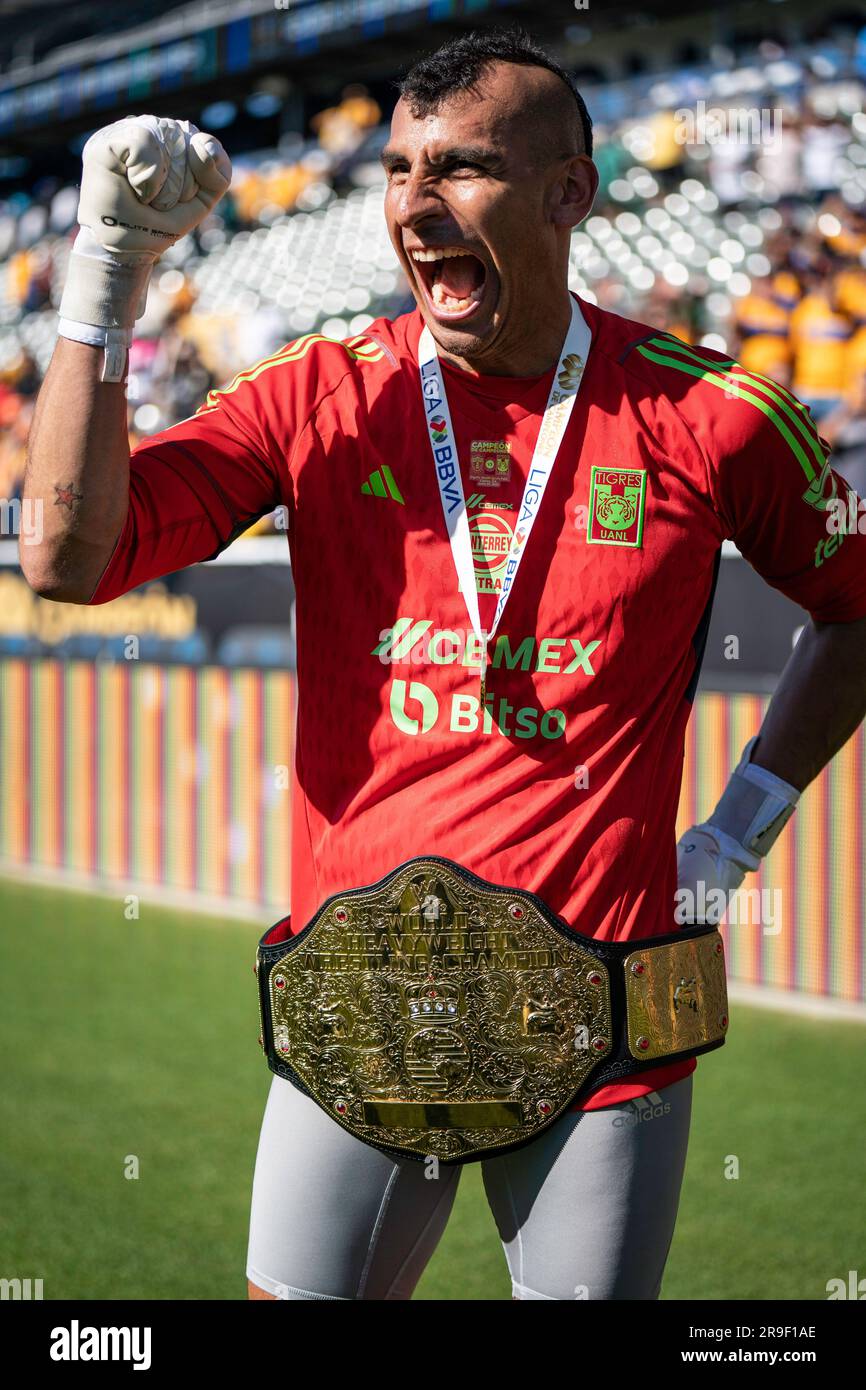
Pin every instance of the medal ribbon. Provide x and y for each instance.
(560, 402)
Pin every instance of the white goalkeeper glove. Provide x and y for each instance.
(714, 857)
(146, 182)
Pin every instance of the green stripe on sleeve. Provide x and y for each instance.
(713, 377)
(793, 409)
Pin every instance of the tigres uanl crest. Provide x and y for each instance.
(616, 506)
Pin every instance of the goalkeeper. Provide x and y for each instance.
(408, 743)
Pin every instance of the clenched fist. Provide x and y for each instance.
(714, 857)
(147, 181)
(707, 873)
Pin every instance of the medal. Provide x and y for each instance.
(557, 413)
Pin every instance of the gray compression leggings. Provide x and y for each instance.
(587, 1210)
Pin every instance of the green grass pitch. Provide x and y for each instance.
(139, 1038)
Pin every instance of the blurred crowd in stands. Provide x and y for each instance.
(788, 299)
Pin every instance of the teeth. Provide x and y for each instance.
(449, 303)
(439, 253)
(446, 302)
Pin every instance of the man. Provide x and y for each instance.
(527, 723)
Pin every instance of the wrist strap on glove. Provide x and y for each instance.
(752, 811)
(102, 287)
(115, 341)
(104, 294)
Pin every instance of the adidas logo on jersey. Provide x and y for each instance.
(381, 484)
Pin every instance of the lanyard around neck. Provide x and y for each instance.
(560, 401)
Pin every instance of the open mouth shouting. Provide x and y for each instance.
(453, 280)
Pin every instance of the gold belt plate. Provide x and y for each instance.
(676, 996)
(437, 1017)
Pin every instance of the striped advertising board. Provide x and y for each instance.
(166, 775)
(177, 776)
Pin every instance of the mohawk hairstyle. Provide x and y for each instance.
(459, 64)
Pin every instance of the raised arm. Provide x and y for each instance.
(77, 474)
(146, 182)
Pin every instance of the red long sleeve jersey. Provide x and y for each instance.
(567, 784)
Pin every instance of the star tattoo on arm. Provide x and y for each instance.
(66, 496)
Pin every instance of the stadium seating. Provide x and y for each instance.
(755, 247)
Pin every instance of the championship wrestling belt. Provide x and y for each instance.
(434, 1014)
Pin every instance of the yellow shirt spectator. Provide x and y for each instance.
(767, 355)
(850, 292)
(786, 289)
(760, 313)
(820, 338)
(856, 361)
